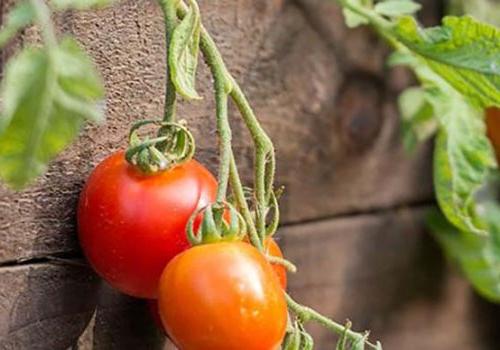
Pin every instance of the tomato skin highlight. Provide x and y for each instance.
(131, 225)
(222, 296)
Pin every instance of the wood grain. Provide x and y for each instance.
(45, 306)
(48, 306)
(385, 274)
(381, 271)
(339, 122)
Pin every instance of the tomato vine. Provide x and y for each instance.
(225, 87)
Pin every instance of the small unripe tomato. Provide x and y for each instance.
(131, 224)
(493, 124)
(272, 248)
(222, 296)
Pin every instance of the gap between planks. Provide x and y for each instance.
(374, 211)
(77, 259)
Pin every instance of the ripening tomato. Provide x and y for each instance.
(131, 225)
(493, 124)
(222, 296)
(272, 248)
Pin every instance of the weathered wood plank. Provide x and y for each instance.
(44, 306)
(48, 307)
(337, 122)
(381, 271)
(122, 322)
(385, 274)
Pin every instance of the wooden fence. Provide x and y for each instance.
(354, 202)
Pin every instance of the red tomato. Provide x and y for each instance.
(222, 296)
(493, 123)
(131, 224)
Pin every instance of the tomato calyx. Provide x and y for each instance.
(221, 223)
(297, 338)
(173, 145)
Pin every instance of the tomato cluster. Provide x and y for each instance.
(132, 228)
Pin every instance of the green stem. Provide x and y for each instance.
(367, 13)
(241, 201)
(265, 165)
(170, 15)
(224, 130)
(283, 262)
(264, 162)
(43, 15)
(306, 314)
(264, 149)
(380, 24)
(222, 86)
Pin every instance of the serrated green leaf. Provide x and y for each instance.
(463, 155)
(79, 4)
(19, 17)
(462, 51)
(78, 80)
(477, 256)
(459, 170)
(184, 50)
(45, 103)
(396, 8)
(463, 158)
(418, 122)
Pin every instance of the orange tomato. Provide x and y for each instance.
(493, 124)
(222, 296)
(272, 248)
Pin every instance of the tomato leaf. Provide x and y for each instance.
(185, 47)
(19, 17)
(418, 121)
(485, 10)
(396, 8)
(462, 51)
(353, 19)
(463, 155)
(463, 158)
(79, 4)
(46, 97)
(477, 256)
